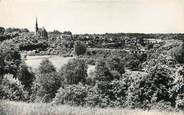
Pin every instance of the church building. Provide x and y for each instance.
(40, 32)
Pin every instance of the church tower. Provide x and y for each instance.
(40, 32)
(36, 26)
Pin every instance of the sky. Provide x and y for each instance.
(95, 16)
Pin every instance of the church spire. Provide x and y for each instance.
(36, 26)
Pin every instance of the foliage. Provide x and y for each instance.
(79, 94)
(67, 32)
(5, 37)
(134, 61)
(19, 30)
(72, 95)
(79, 48)
(46, 67)
(12, 89)
(180, 101)
(25, 76)
(110, 69)
(108, 94)
(74, 71)
(2, 30)
(102, 71)
(46, 86)
(47, 82)
(179, 53)
(151, 88)
(10, 60)
(116, 64)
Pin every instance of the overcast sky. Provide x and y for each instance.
(95, 16)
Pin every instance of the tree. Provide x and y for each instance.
(74, 71)
(102, 72)
(141, 41)
(25, 76)
(116, 64)
(2, 64)
(12, 89)
(150, 88)
(2, 30)
(67, 32)
(79, 48)
(72, 95)
(132, 62)
(46, 67)
(9, 61)
(48, 84)
(179, 53)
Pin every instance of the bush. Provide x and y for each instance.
(2, 30)
(47, 82)
(111, 94)
(102, 71)
(180, 101)
(116, 64)
(46, 86)
(74, 71)
(11, 89)
(151, 88)
(93, 97)
(177, 91)
(162, 106)
(132, 62)
(10, 59)
(35, 87)
(46, 67)
(25, 76)
(72, 95)
(109, 69)
(179, 53)
(79, 48)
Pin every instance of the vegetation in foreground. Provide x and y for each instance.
(20, 108)
(151, 79)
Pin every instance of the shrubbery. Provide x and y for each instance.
(111, 94)
(47, 82)
(25, 76)
(180, 101)
(111, 84)
(46, 67)
(46, 86)
(110, 69)
(79, 48)
(74, 71)
(179, 53)
(151, 88)
(10, 59)
(12, 89)
(72, 95)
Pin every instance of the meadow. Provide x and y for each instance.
(57, 61)
(21, 108)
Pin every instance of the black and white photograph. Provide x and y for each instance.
(91, 57)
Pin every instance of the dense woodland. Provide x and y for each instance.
(153, 79)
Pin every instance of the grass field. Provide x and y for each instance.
(20, 108)
(58, 61)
